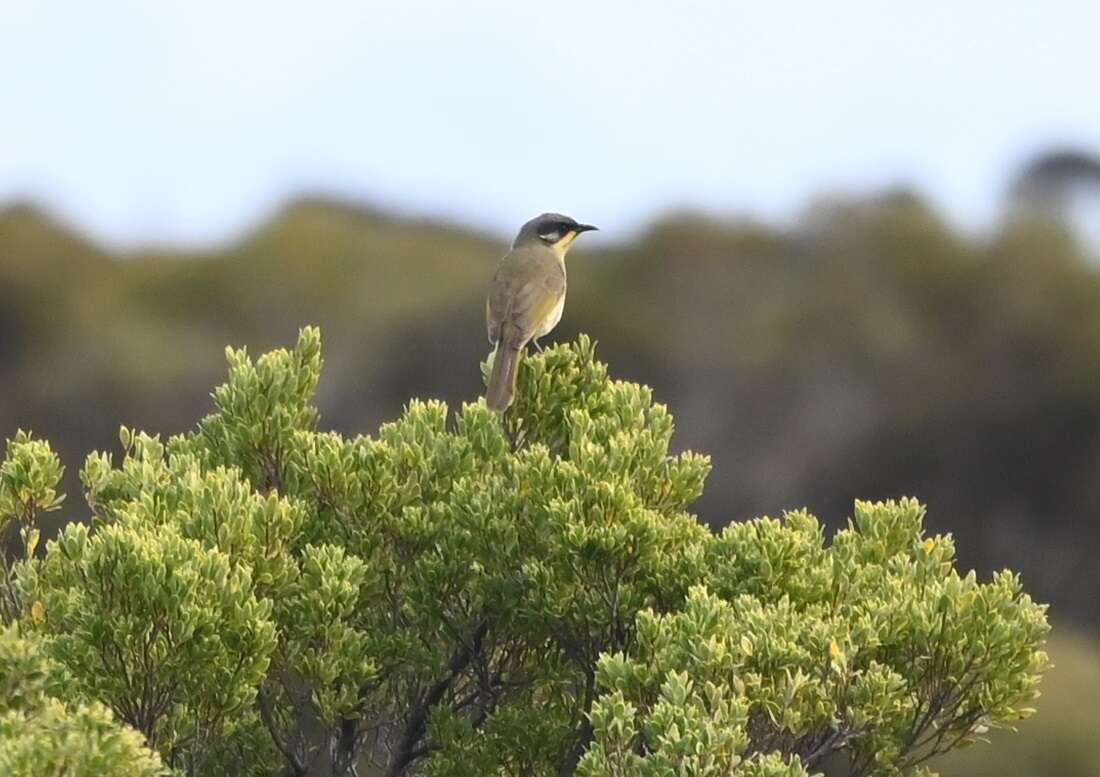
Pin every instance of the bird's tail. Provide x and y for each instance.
(502, 380)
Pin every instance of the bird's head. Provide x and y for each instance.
(552, 230)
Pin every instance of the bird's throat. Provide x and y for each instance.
(562, 246)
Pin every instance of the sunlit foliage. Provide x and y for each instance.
(463, 594)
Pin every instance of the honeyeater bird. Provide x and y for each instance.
(526, 297)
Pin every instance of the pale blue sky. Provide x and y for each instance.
(188, 121)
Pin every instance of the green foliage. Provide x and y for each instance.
(470, 595)
(262, 407)
(29, 476)
(873, 645)
(163, 610)
(166, 632)
(431, 572)
(1060, 739)
(43, 736)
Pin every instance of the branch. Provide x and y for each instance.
(584, 733)
(297, 768)
(417, 725)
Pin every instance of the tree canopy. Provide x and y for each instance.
(470, 594)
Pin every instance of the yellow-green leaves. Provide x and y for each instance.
(166, 632)
(29, 475)
(260, 411)
(45, 732)
(873, 645)
(467, 595)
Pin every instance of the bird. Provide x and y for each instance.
(526, 297)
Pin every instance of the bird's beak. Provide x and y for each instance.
(585, 228)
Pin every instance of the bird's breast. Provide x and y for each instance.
(553, 318)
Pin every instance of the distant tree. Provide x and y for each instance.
(1053, 181)
(475, 595)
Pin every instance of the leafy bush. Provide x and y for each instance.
(29, 475)
(464, 594)
(42, 735)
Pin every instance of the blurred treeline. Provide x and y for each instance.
(870, 350)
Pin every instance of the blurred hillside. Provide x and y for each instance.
(868, 351)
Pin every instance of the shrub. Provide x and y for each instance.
(43, 736)
(468, 594)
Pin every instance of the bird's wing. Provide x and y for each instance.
(527, 287)
(536, 300)
(498, 305)
(525, 290)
